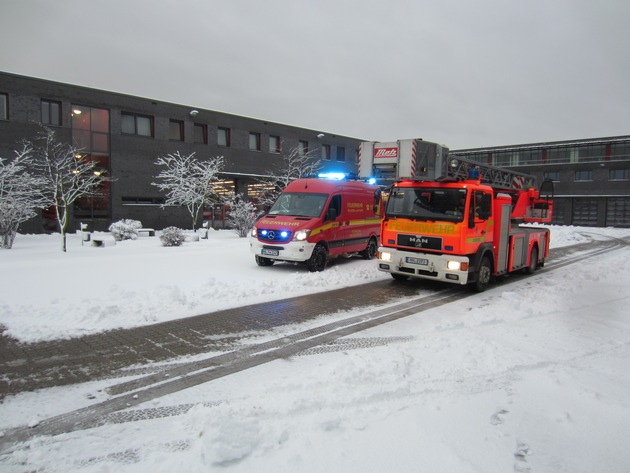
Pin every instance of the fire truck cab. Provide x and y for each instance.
(453, 220)
(316, 219)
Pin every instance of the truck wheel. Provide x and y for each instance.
(370, 251)
(533, 261)
(483, 275)
(318, 260)
(260, 261)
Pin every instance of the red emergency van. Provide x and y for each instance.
(316, 219)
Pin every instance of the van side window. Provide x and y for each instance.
(335, 203)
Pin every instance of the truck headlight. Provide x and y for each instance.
(385, 256)
(301, 235)
(456, 266)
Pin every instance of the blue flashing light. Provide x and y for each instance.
(473, 174)
(371, 180)
(284, 234)
(264, 232)
(332, 175)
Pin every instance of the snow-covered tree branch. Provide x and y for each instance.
(68, 175)
(241, 215)
(295, 164)
(188, 181)
(21, 194)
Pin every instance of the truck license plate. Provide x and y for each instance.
(268, 252)
(422, 261)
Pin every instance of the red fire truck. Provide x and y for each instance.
(316, 219)
(455, 220)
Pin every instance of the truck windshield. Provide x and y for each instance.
(299, 204)
(427, 203)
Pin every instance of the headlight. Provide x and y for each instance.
(301, 235)
(386, 256)
(456, 266)
(253, 234)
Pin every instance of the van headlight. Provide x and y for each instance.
(254, 233)
(301, 235)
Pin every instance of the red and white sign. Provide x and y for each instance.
(385, 153)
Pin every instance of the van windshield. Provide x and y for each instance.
(427, 203)
(299, 204)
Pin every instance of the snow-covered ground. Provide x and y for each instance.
(529, 376)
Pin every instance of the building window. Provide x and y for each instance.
(176, 130)
(303, 148)
(223, 136)
(326, 152)
(254, 141)
(137, 124)
(341, 153)
(51, 113)
(552, 176)
(4, 107)
(200, 132)
(581, 176)
(274, 144)
(619, 175)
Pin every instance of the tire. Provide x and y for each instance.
(370, 250)
(533, 261)
(399, 277)
(318, 260)
(260, 261)
(483, 274)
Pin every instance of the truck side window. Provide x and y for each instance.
(482, 205)
(335, 206)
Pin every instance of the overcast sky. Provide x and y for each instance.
(462, 73)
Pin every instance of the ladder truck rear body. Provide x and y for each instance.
(454, 220)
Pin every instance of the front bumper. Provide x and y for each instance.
(423, 265)
(290, 251)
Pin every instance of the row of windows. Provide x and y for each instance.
(580, 176)
(143, 125)
(553, 155)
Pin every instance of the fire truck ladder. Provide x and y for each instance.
(461, 168)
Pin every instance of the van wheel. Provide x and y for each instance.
(260, 261)
(370, 250)
(483, 275)
(318, 260)
(533, 261)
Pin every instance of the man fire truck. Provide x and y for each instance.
(455, 220)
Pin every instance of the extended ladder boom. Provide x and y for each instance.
(419, 159)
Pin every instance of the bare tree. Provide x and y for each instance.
(295, 164)
(21, 194)
(187, 181)
(68, 175)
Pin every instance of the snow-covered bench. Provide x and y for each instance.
(103, 240)
(146, 232)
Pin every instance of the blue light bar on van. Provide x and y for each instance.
(332, 175)
(371, 180)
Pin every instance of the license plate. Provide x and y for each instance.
(422, 261)
(267, 252)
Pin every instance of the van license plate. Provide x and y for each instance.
(267, 252)
(422, 261)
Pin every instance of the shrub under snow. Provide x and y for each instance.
(125, 229)
(172, 236)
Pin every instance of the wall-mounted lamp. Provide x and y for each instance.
(320, 136)
(194, 113)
